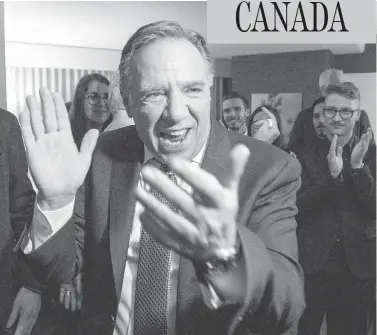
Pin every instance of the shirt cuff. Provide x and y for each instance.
(46, 224)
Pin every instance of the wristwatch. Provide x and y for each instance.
(223, 264)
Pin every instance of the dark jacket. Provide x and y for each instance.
(16, 211)
(329, 207)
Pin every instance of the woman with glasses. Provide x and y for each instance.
(89, 107)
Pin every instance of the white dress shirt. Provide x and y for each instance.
(42, 229)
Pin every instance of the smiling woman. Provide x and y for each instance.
(89, 107)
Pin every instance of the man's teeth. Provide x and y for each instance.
(176, 133)
(176, 136)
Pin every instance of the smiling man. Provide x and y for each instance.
(184, 233)
(235, 113)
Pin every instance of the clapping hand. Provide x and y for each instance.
(266, 130)
(57, 166)
(205, 228)
(361, 149)
(334, 157)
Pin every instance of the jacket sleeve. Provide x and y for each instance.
(60, 259)
(364, 184)
(275, 285)
(21, 201)
(273, 278)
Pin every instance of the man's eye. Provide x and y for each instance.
(153, 96)
(193, 91)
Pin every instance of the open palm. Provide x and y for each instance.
(57, 166)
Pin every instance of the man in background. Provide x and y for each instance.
(336, 220)
(235, 113)
(20, 293)
(303, 130)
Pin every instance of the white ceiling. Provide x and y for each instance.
(107, 25)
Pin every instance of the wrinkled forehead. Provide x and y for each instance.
(339, 101)
(167, 61)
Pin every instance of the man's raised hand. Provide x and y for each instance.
(204, 228)
(57, 167)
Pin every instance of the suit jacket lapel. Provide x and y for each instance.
(125, 173)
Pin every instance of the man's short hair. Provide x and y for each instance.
(153, 32)
(236, 95)
(347, 90)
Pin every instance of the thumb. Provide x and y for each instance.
(89, 143)
(239, 157)
(13, 315)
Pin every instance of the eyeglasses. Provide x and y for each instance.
(345, 113)
(95, 98)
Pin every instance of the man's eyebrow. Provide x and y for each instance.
(149, 88)
(193, 83)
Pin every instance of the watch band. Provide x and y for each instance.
(223, 264)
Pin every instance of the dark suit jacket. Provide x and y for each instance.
(267, 227)
(16, 211)
(325, 206)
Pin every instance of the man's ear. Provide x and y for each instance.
(358, 113)
(127, 104)
(247, 111)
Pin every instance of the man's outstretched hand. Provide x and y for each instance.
(57, 166)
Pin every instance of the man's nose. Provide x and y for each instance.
(176, 108)
(337, 117)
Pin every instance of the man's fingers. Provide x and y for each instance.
(27, 132)
(333, 145)
(270, 115)
(165, 236)
(35, 116)
(73, 300)
(89, 143)
(78, 285)
(13, 315)
(62, 116)
(206, 184)
(67, 300)
(170, 190)
(48, 111)
(61, 295)
(25, 324)
(239, 157)
(169, 219)
(339, 151)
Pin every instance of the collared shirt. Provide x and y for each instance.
(42, 230)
